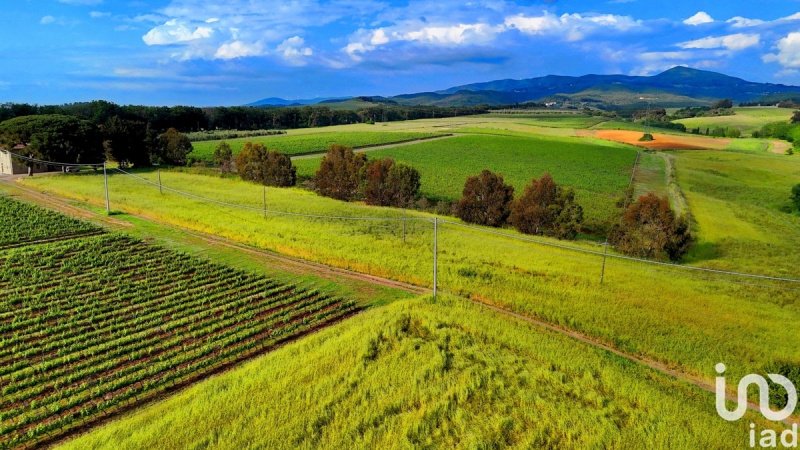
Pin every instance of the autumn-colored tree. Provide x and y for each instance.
(649, 229)
(387, 183)
(486, 200)
(340, 173)
(547, 209)
(256, 163)
(223, 157)
(172, 147)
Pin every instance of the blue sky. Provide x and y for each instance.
(229, 52)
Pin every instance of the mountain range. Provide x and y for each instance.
(679, 86)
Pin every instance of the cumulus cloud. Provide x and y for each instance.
(744, 22)
(239, 49)
(788, 54)
(434, 35)
(174, 32)
(573, 27)
(293, 50)
(700, 18)
(735, 42)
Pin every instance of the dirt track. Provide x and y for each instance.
(660, 141)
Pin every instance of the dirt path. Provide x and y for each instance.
(325, 271)
(379, 147)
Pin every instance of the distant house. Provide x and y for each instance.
(9, 165)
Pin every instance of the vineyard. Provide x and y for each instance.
(93, 325)
(21, 223)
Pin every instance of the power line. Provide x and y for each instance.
(50, 163)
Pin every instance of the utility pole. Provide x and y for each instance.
(603, 269)
(435, 254)
(160, 189)
(105, 180)
(265, 201)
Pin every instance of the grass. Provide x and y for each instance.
(445, 165)
(429, 375)
(297, 144)
(747, 119)
(689, 320)
(741, 204)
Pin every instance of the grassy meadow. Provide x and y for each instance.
(746, 119)
(297, 143)
(689, 320)
(444, 166)
(423, 374)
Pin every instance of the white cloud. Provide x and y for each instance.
(788, 54)
(744, 22)
(573, 27)
(735, 42)
(293, 50)
(436, 35)
(174, 31)
(239, 49)
(700, 18)
(47, 20)
(99, 14)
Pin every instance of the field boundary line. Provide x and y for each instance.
(67, 237)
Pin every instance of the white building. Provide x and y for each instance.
(13, 166)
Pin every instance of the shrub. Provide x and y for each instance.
(387, 183)
(223, 157)
(649, 229)
(548, 209)
(733, 133)
(796, 195)
(647, 137)
(486, 200)
(256, 163)
(172, 147)
(340, 173)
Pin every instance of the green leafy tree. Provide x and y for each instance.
(256, 163)
(796, 116)
(387, 183)
(223, 157)
(124, 141)
(54, 138)
(796, 195)
(485, 200)
(649, 229)
(547, 209)
(172, 147)
(340, 173)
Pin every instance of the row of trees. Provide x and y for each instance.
(545, 208)
(345, 175)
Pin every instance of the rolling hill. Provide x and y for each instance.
(676, 87)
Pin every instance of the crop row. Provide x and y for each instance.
(91, 325)
(22, 223)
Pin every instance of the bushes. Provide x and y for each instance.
(172, 147)
(796, 195)
(339, 174)
(547, 209)
(649, 229)
(256, 163)
(389, 184)
(486, 200)
(223, 157)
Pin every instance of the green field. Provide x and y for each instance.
(669, 313)
(444, 166)
(22, 223)
(746, 119)
(297, 144)
(92, 325)
(418, 374)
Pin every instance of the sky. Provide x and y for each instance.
(233, 52)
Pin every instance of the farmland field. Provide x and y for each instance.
(747, 119)
(22, 223)
(422, 374)
(95, 324)
(445, 165)
(296, 144)
(669, 313)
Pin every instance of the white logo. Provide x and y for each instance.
(763, 396)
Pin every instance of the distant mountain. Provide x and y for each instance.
(679, 86)
(277, 101)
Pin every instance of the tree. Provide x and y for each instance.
(54, 138)
(649, 229)
(725, 103)
(387, 183)
(796, 195)
(256, 163)
(340, 173)
(547, 209)
(124, 141)
(486, 200)
(223, 157)
(796, 116)
(172, 147)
